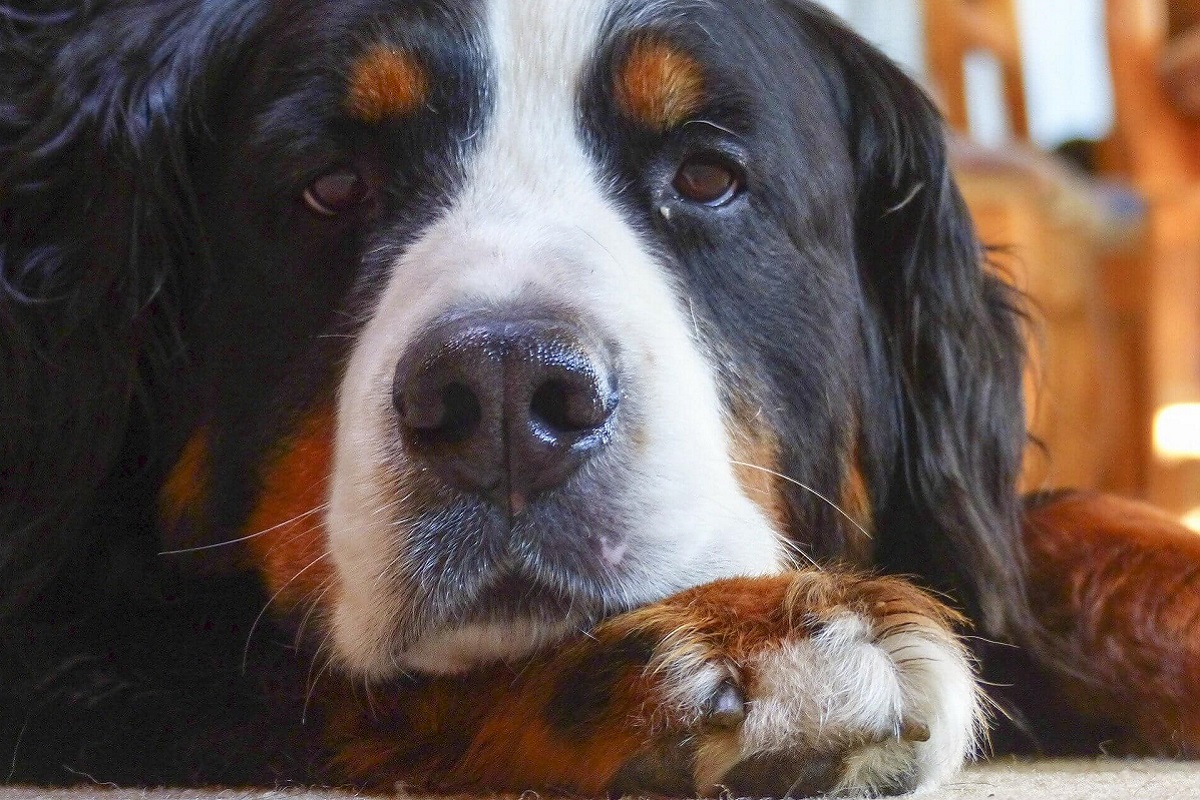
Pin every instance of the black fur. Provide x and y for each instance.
(112, 665)
(583, 695)
(950, 352)
(146, 290)
(881, 311)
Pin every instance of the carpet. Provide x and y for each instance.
(1002, 779)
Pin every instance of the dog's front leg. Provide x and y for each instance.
(791, 685)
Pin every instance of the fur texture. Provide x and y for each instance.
(232, 232)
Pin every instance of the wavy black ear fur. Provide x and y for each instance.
(945, 423)
(101, 263)
(97, 115)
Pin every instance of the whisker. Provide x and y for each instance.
(711, 124)
(17, 749)
(313, 605)
(985, 640)
(370, 698)
(798, 550)
(326, 666)
(248, 537)
(274, 597)
(808, 489)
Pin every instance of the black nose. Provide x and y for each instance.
(506, 408)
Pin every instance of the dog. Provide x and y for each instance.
(489, 395)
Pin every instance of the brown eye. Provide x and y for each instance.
(707, 180)
(336, 192)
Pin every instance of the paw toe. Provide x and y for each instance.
(727, 708)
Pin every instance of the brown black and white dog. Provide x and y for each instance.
(570, 375)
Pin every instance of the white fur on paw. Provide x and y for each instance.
(857, 709)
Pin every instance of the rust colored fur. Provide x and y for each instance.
(572, 719)
(659, 85)
(1114, 583)
(286, 536)
(386, 83)
(1117, 585)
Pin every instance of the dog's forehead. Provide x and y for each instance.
(652, 55)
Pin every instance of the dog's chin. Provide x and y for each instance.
(476, 587)
(511, 617)
(472, 645)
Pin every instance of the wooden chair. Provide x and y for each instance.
(1056, 230)
(1158, 149)
(954, 30)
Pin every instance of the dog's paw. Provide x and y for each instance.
(810, 683)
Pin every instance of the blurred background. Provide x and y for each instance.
(1076, 140)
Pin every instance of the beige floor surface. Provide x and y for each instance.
(1000, 780)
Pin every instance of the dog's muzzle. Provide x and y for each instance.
(506, 407)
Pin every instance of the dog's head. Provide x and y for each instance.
(483, 319)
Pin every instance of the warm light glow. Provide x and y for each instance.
(1192, 519)
(1177, 432)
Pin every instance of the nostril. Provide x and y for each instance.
(446, 414)
(551, 406)
(505, 409)
(567, 406)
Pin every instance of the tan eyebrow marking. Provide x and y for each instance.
(659, 84)
(386, 82)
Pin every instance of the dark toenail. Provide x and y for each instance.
(727, 709)
(912, 731)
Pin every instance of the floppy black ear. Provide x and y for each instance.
(98, 108)
(945, 422)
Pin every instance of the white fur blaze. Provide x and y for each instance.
(534, 224)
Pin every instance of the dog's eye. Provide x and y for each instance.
(336, 192)
(708, 180)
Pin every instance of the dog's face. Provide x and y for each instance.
(593, 270)
(518, 313)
